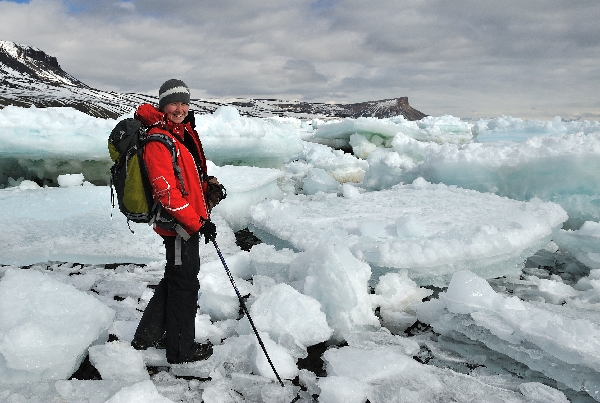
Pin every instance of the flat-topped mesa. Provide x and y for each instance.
(385, 108)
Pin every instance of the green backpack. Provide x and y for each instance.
(129, 176)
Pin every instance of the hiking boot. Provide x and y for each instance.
(201, 352)
(160, 343)
(139, 344)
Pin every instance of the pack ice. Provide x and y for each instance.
(442, 260)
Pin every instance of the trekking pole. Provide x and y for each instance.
(246, 310)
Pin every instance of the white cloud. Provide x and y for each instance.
(126, 5)
(467, 58)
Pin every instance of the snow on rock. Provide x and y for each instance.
(46, 326)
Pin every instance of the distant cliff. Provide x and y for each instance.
(379, 109)
(28, 76)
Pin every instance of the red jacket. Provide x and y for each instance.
(187, 205)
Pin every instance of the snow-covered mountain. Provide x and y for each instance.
(28, 76)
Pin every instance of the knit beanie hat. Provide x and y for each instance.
(173, 91)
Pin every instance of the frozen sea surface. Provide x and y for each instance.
(430, 230)
(442, 260)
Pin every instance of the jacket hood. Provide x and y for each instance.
(150, 115)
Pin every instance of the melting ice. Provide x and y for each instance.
(441, 260)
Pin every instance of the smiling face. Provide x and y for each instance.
(176, 111)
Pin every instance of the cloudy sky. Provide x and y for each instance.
(466, 58)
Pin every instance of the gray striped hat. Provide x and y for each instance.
(173, 91)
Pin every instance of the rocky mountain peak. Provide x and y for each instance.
(20, 62)
(28, 76)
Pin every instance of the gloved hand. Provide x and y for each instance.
(209, 231)
(215, 193)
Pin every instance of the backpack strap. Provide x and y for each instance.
(166, 140)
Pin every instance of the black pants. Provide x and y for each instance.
(172, 308)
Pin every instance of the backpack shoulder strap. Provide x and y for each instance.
(167, 142)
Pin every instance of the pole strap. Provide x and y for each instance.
(178, 250)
